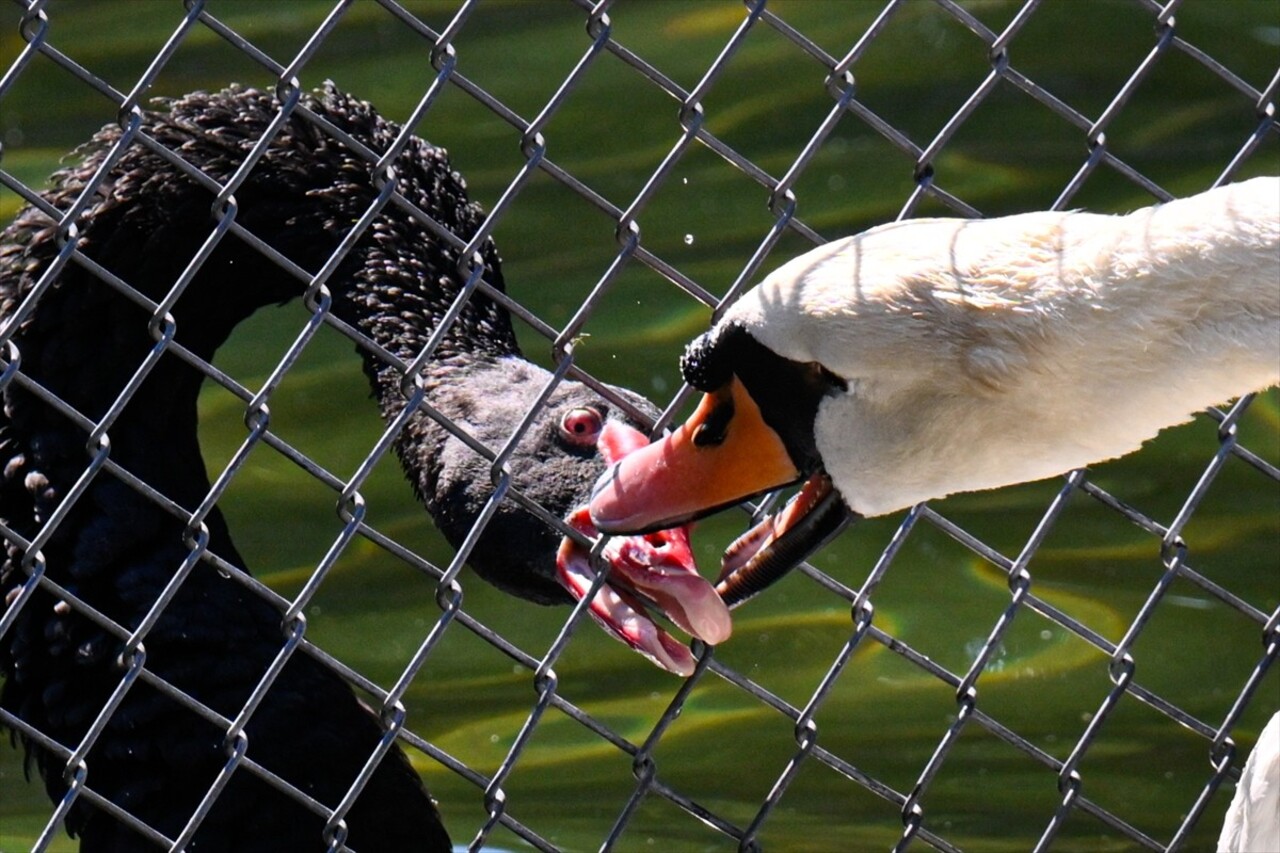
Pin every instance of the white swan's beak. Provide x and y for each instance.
(723, 454)
(766, 552)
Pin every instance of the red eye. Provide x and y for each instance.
(581, 427)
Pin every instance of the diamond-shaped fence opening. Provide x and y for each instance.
(1053, 666)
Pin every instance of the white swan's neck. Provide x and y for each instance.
(1191, 277)
(984, 353)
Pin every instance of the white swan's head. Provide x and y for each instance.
(752, 432)
(924, 358)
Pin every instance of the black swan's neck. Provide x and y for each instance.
(301, 198)
(115, 549)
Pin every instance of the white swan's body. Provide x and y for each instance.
(989, 352)
(936, 356)
(1253, 818)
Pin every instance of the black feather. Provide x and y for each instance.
(115, 549)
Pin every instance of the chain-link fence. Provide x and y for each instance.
(1068, 665)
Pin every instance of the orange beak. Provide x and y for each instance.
(723, 454)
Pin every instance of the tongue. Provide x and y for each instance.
(660, 566)
(620, 614)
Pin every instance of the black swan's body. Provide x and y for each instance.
(115, 549)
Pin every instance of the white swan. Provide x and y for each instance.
(1253, 818)
(935, 356)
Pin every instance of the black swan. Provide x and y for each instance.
(106, 551)
(934, 356)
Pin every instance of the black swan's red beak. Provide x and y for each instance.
(655, 567)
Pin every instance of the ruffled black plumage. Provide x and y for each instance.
(115, 550)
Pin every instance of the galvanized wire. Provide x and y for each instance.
(688, 131)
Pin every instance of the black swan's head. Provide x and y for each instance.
(573, 435)
(398, 284)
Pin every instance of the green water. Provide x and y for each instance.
(884, 715)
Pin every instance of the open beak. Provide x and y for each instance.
(724, 454)
(655, 568)
(783, 540)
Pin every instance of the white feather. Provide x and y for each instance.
(1253, 818)
(980, 353)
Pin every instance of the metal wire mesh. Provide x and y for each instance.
(933, 183)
